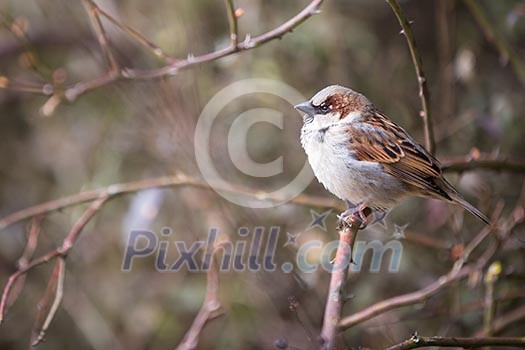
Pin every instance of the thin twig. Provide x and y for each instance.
(210, 309)
(56, 287)
(157, 51)
(73, 91)
(27, 255)
(336, 292)
(22, 86)
(496, 39)
(247, 44)
(424, 94)
(94, 14)
(479, 238)
(417, 341)
(32, 241)
(179, 180)
(452, 164)
(58, 252)
(458, 272)
(403, 300)
(232, 21)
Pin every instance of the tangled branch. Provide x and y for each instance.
(172, 65)
(457, 273)
(60, 252)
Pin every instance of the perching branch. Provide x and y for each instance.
(336, 292)
(424, 94)
(449, 165)
(417, 341)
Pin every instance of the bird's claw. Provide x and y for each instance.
(344, 216)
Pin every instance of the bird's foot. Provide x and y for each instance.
(361, 211)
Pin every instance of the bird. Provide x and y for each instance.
(366, 159)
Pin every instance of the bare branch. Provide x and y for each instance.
(403, 300)
(424, 94)
(74, 91)
(23, 86)
(44, 317)
(417, 341)
(32, 240)
(451, 164)
(248, 44)
(232, 21)
(336, 292)
(58, 252)
(179, 180)
(211, 308)
(157, 51)
(457, 273)
(94, 14)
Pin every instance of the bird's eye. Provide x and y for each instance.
(324, 108)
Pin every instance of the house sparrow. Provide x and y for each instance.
(367, 160)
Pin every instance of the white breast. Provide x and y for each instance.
(343, 175)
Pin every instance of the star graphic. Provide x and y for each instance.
(291, 239)
(378, 217)
(319, 219)
(399, 231)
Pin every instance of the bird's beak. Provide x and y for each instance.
(306, 107)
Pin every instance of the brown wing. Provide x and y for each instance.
(378, 139)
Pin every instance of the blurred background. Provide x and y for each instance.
(138, 129)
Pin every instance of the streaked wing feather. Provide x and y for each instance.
(378, 139)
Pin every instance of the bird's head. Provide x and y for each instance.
(334, 104)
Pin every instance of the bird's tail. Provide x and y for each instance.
(458, 198)
(470, 208)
